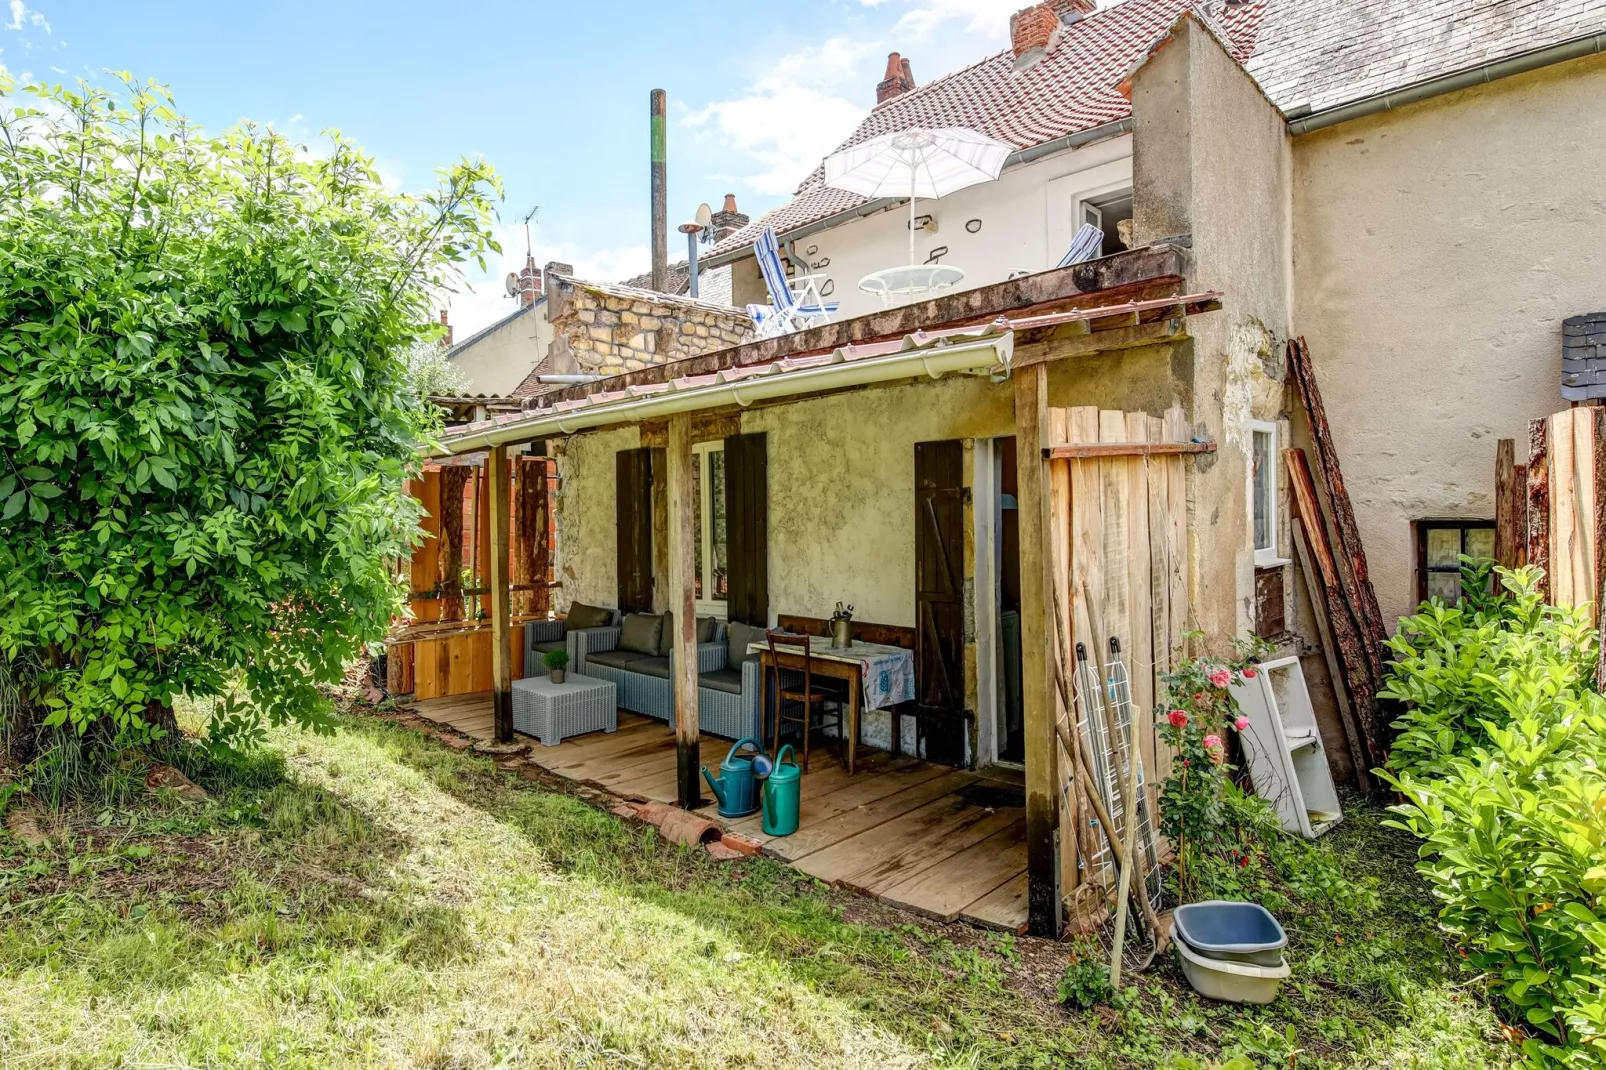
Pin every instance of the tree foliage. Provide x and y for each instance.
(206, 415)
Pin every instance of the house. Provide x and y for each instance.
(1044, 460)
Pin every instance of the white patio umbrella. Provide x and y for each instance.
(916, 163)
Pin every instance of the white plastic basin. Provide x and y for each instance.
(1230, 982)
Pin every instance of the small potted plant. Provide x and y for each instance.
(556, 662)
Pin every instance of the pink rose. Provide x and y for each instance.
(1219, 678)
(1249, 673)
(1212, 746)
(1177, 718)
(1241, 723)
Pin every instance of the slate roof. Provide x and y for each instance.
(1315, 53)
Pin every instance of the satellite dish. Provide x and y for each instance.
(512, 284)
(705, 216)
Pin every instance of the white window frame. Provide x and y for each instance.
(1067, 194)
(700, 453)
(1265, 557)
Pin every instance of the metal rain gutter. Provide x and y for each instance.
(1450, 83)
(932, 361)
(881, 204)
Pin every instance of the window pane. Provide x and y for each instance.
(1480, 542)
(1265, 537)
(1444, 548)
(696, 503)
(716, 490)
(1445, 586)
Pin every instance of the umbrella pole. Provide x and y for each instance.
(912, 166)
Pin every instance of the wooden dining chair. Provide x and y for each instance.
(813, 700)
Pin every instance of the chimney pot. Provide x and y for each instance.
(447, 341)
(1031, 29)
(730, 203)
(727, 220)
(897, 80)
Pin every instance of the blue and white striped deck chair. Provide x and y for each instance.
(1088, 243)
(796, 303)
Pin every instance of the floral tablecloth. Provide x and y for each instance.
(887, 672)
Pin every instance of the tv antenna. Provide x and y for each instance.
(529, 217)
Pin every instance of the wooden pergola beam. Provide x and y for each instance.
(1084, 450)
(682, 603)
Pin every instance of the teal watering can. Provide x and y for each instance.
(782, 792)
(737, 788)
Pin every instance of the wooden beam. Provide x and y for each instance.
(1539, 503)
(1087, 343)
(496, 483)
(1506, 536)
(1318, 605)
(1084, 450)
(1037, 635)
(683, 509)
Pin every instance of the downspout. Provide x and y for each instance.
(1450, 83)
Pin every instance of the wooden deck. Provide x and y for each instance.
(924, 837)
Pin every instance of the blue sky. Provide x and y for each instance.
(553, 94)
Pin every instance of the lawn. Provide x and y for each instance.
(373, 898)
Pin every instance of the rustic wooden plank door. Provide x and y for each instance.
(939, 596)
(634, 506)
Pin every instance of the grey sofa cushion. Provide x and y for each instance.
(641, 633)
(666, 637)
(649, 666)
(741, 635)
(616, 659)
(728, 680)
(584, 616)
(547, 648)
(707, 629)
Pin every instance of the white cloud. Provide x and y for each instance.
(23, 16)
(979, 20)
(785, 122)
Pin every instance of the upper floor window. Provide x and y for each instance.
(1263, 491)
(711, 576)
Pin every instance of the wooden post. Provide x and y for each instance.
(682, 603)
(1318, 605)
(497, 579)
(1506, 536)
(1037, 638)
(1539, 502)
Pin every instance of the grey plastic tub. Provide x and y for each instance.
(1232, 932)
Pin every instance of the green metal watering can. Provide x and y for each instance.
(736, 789)
(782, 792)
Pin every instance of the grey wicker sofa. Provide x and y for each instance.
(727, 698)
(541, 637)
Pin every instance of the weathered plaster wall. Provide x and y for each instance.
(1437, 250)
(587, 518)
(500, 359)
(1211, 160)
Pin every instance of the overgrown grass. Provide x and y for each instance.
(375, 899)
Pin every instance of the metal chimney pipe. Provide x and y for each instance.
(693, 231)
(660, 197)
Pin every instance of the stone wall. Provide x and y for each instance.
(610, 329)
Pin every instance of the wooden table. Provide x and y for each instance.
(844, 664)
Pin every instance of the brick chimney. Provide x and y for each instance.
(529, 281)
(897, 80)
(728, 220)
(1032, 29)
(447, 341)
(1071, 12)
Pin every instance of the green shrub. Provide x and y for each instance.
(1500, 757)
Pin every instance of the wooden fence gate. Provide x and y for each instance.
(1118, 516)
(446, 648)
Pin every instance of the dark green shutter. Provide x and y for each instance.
(634, 505)
(747, 598)
(939, 598)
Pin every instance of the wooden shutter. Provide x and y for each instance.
(939, 574)
(747, 599)
(634, 504)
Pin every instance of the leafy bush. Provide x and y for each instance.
(205, 414)
(1500, 757)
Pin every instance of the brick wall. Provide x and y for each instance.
(609, 329)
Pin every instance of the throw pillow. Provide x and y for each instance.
(584, 616)
(666, 636)
(741, 637)
(641, 633)
(707, 629)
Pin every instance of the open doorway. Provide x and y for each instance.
(1005, 604)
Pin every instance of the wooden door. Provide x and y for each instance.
(634, 506)
(939, 596)
(747, 598)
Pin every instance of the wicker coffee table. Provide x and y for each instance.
(552, 712)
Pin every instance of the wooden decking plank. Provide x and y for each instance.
(851, 793)
(822, 834)
(907, 845)
(1002, 908)
(945, 889)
